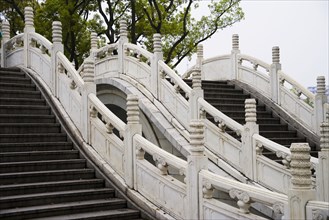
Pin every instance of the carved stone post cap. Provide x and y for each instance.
(250, 110)
(89, 71)
(57, 31)
(200, 51)
(5, 30)
(275, 54)
(93, 40)
(132, 109)
(320, 85)
(324, 131)
(28, 13)
(123, 28)
(235, 42)
(197, 135)
(157, 42)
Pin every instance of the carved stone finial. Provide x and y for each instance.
(324, 141)
(132, 109)
(207, 190)
(57, 32)
(5, 30)
(89, 71)
(275, 54)
(28, 12)
(235, 42)
(196, 79)
(123, 28)
(320, 85)
(200, 51)
(157, 43)
(197, 136)
(93, 41)
(300, 166)
(250, 109)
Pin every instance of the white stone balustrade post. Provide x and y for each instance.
(57, 47)
(322, 171)
(197, 161)
(93, 42)
(234, 57)
(133, 127)
(89, 87)
(5, 38)
(197, 92)
(249, 129)
(300, 191)
(123, 39)
(199, 60)
(274, 75)
(157, 55)
(29, 28)
(320, 100)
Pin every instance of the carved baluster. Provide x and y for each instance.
(207, 191)
(322, 178)
(109, 128)
(140, 153)
(93, 112)
(243, 199)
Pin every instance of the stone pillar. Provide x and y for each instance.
(199, 60)
(249, 129)
(5, 38)
(89, 87)
(274, 75)
(123, 39)
(320, 100)
(93, 41)
(322, 172)
(29, 28)
(197, 92)
(133, 127)
(300, 191)
(234, 57)
(196, 162)
(157, 55)
(57, 47)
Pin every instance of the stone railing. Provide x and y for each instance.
(166, 179)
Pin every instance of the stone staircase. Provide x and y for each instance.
(229, 98)
(42, 173)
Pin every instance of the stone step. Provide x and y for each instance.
(272, 127)
(35, 146)
(45, 176)
(23, 138)
(68, 208)
(23, 118)
(215, 100)
(17, 87)
(38, 156)
(260, 121)
(15, 79)
(28, 166)
(236, 107)
(12, 73)
(239, 114)
(226, 95)
(278, 134)
(21, 101)
(25, 109)
(30, 188)
(122, 214)
(222, 91)
(19, 94)
(287, 141)
(7, 202)
(29, 128)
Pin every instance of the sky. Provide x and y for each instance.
(298, 27)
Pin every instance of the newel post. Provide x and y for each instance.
(322, 171)
(197, 92)
(133, 127)
(320, 100)
(157, 55)
(29, 28)
(121, 50)
(199, 60)
(249, 129)
(57, 47)
(196, 162)
(234, 57)
(300, 191)
(89, 87)
(5, 38)
(274, 75)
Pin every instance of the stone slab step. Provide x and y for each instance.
(215, 100)
(38, 156)
(12, 73)
(240, 114)
(17, 86)
(61, 209)
(235, 107)
(29, 128)
(226, 95)
(35, 146)
(14, 79)
(260, 121)
(45, 176)
(36, 199)
(25, 109)
(220, 90)
(19, 94)
(272, 127)
(287, 141)
(23, 118)
(24, 138)
(28, 166)
(30, 188)
(21, 101)
(278, 134)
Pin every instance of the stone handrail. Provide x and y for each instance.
(138, 52)
(254, 62)
(43, 43)
(13, 43)
(106, 51)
